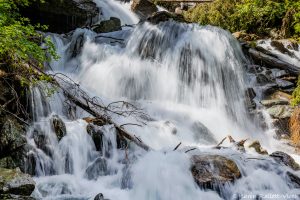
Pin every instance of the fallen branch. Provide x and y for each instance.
(82, 100)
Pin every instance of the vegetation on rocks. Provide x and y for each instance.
(20, 43)
(252, 16)
(296, 94)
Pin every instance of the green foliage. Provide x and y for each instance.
(20, 43)
(253, 16)
(296, 94)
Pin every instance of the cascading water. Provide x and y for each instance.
(189, 82)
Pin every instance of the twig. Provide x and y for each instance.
(177, 147)
(131, 124)
(190, 150)
(18, 118)
(221, 142)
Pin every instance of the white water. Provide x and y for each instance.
(189, 80)
(295, 60)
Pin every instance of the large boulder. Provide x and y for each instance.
(12, 135)
(111, 25)
(62, 15)
(285, 159)
(210, 171)
(143, 8)
(13, 181)
(163, 16)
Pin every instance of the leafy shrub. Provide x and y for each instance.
(253, 16)
(20, 42)
(296, 94)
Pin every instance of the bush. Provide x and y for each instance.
(253, 16)
(19, 41)
(296, 94)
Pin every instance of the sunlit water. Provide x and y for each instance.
(189, 82)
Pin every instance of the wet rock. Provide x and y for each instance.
(254, 69)
(113, 24)
(281, 95)
(211, 170)
(278, 45)
(269, 89)
(76, 46)
(143, 8)
(13, 181)
(280, 111)
(59, 127)
(250, 93)
(12, 135)
(263, 79)
(202, 133)
(294, 179)
(276, 73)
(282, 128)
(163, 16)
(283, 84)
(15, 197)
(274, 102)
(257, 147)
(64, 15)
(96, 169)
(100, 196)
(283, 158)
(97, 136)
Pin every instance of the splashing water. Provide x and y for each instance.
(188, 80)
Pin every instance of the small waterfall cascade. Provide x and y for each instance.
(189, 83)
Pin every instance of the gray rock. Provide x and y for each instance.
(64, 15)
(100, 197)
(162, 16)
(58, 126)
(285, 159)
(97, 136)
(274, 102)
(13, 181)
(294, 179)
(113, 24)
(143, 8)
(211, 170)
(280, 111)
(12, 135)
(283, 84)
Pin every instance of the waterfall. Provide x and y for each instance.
(188, 80)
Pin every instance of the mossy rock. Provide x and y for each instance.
(209, 171)
(12, 135)
(13, 181)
